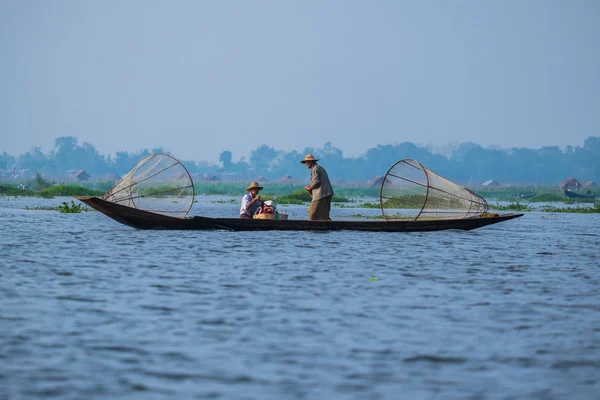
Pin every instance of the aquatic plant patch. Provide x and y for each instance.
(511, 207)
(67, 208)
(578, 210)
(225, 201)
(72, 208)
(69, 190)
(547, 208)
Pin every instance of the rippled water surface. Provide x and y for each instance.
(90, 308)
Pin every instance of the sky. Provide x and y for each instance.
(199, 77)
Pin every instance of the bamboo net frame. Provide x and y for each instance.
(159, 183)
(411, 191)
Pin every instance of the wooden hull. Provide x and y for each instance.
(141, 219)
(525, 195)
(573, 195)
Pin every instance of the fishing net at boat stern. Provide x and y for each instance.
(159, 183)
(411, 191)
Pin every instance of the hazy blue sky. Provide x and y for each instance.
(199, 77)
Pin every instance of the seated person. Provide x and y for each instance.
(251, 201)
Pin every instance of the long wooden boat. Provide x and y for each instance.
(524, 195)
(141, 219)
(574, 195)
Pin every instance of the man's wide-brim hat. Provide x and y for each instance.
(309, 157)
(254, 185)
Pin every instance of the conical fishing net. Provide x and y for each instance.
(159, 183)
(411, 191)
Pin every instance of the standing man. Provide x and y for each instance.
(319, 189)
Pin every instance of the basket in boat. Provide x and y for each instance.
(270, 216)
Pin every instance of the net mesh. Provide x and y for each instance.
(159, 183)
(411, 191)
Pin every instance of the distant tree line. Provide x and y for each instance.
(466, 163)
(69, 154)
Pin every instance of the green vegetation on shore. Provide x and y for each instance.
(288, 192)
(543, 194)
(342, 193)
(239, 188)
(349, 192)
(546, 208)
(49, 192)
(14, 191)
(579, 209)
(69, 190)
(511, 207)
(298, 196)
(346, 195)
(357, 205)
(39, 187)
(163, 191)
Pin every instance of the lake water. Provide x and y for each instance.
(90, 308)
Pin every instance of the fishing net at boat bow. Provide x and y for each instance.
(159, 183)
(411, 191)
